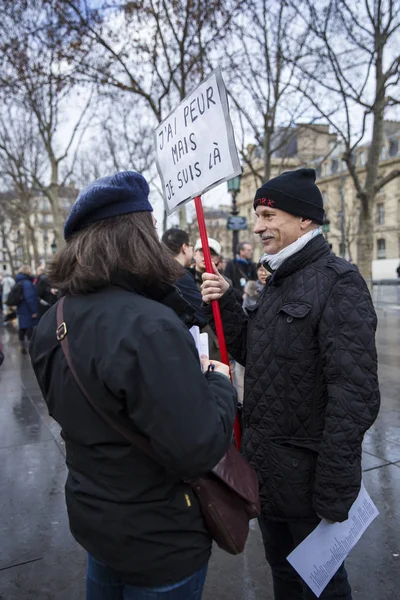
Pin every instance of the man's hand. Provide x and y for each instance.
(34, 316)
(326, 520)
(216, 366)
(214, 286)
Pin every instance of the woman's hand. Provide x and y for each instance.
(219, 367)
(214, 286)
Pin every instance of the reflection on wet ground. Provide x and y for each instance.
(39, 560)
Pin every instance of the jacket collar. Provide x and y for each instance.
(311, 252)
(165, 293)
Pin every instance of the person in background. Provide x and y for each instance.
(27, 311)
(241, 269)
(177, 242)
(311, 376)
(200, 265)
(134, 513)
(253, 289)
(8, 283)
(45, 292)
(222, 264)
(199, 269)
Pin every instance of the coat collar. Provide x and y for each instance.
(314, 250)
(165, 293)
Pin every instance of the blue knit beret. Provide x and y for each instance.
(119, 194)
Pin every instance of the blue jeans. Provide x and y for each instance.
(103, 583)
(280, 538)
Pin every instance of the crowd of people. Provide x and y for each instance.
(24, 300)
(115, 362)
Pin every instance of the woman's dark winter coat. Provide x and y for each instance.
(139, 362)
(29, 306)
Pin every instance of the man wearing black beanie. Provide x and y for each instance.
(311, 386)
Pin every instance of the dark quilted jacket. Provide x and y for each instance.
(311, 386)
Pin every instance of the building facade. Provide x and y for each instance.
(315, 146)
(31, 240)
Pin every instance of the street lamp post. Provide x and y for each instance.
(234, 189)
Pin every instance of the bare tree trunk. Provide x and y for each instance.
(365, 244)
(33, 242)
(53, 195)
(366, 240)
(8, 250)
(182, 218)
(267, 151)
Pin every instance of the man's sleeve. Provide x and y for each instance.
(349, 362)
(231, 274)
(190, 292)
(187, 416)
(234, 321)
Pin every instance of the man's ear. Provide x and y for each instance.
(305, 223)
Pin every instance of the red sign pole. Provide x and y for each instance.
(215, 304)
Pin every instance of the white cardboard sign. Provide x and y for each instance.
(195, 145)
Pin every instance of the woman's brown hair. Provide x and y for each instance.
(94, 256)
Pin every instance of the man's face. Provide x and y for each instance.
(278, 229)
(246, 252)
(187, 250)
(199, 258)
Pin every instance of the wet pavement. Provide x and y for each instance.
(39, 560)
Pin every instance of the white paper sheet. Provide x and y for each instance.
(320, 555)
(203, 344)
(201, 340)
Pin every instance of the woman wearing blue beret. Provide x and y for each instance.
(113, 356)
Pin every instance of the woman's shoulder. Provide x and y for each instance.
(133, 309)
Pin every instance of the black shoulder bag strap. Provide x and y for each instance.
(140, 441)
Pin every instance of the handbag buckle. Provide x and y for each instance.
(61, 331)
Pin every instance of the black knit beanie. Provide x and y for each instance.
(294, 192)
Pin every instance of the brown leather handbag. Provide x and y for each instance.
(228, 495)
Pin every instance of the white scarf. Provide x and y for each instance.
(274, 261)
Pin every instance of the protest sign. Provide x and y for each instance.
(195, 146)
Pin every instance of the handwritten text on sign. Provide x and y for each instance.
(195, 144)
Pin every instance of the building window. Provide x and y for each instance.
(325, 198)
(381, 248)
(380, 215)
(45, 204)
(334, 165)
(362, 158)
(383, 154)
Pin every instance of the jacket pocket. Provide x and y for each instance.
(293, 329)
(291, 479)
